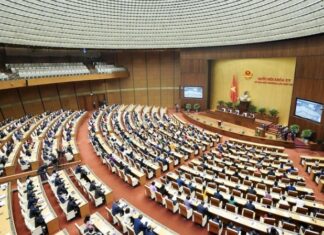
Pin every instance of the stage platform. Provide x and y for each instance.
(234, 130)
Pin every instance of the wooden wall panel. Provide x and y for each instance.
(69, 103)
(177, 79)
(82, 88)
(141, 97)
(50, 97)
(113, 91)
(167, 98)
(127, 97)
(31, 100)
(10, 104)
(154, 78)
(114, 97)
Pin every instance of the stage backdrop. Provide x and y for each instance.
(269, 82)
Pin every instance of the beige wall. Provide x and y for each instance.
(270, 96)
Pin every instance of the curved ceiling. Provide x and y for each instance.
(143, 24)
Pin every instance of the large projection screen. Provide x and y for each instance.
(194, 92)
(309, 110)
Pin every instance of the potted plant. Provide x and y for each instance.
(294, 128)
(273, 112)
(306, 135)
(229, 104)
(196, 107)
(252, 108)
(220, 104)
(262, 111)
(188, 107)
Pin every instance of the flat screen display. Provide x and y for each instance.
(309, 110)
(195, 92)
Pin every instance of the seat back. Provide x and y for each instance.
(236, 193)
(169, 204)
(175, 185)
(247, 182)
(148, 191)
(130, 230)
(266, 201)
(276, 190)
(199, 180)
(302, 210)
(261, 186)
(310, 232)
(213, 227)
(319, 215)
(186, 190)
(230, 231)
(248, 213)
(231, 208)
(292, 193)
(197, 218)
(159, 197)
(200, 196)
(183, 210)
(309, 197)
(284, 206)
(288, 226)
(235, 179)
(251, 197)
(270, 221)
(214, 201)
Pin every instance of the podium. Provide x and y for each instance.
(260, 131)
(244, 106)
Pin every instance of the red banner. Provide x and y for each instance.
(234, 89)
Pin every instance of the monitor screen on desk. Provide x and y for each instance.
(195, 92)
(309, 110)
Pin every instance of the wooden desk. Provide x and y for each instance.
(62, 232)
(10, 165)
(92, 177)
(6, 216)
(158, 227)
(103, 225)
(73, 191)
(232, 118)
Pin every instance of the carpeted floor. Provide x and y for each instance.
(135, 196)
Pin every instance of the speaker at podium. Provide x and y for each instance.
(244, 106)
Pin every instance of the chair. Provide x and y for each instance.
(230, 231)
(230, 207)
(159, 198)
(200, 196)
(319, 215)
(236, 193)
(276, 190)
(261, 186)
(111, 217)
(214, 227)
(301, 210)
(288, 226)
(121, 224)
(251, 197)
(132, 181)
(266, 201)
(170, 206)
(293, 193)
(270, 221)
(284, 206)
(248, 213)
(148, 192)
(149, 174)
(235, 179)
(184, 211)
(309, 197)
(247, 182)
(309, 232)
(198, 218)
(215, 202)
